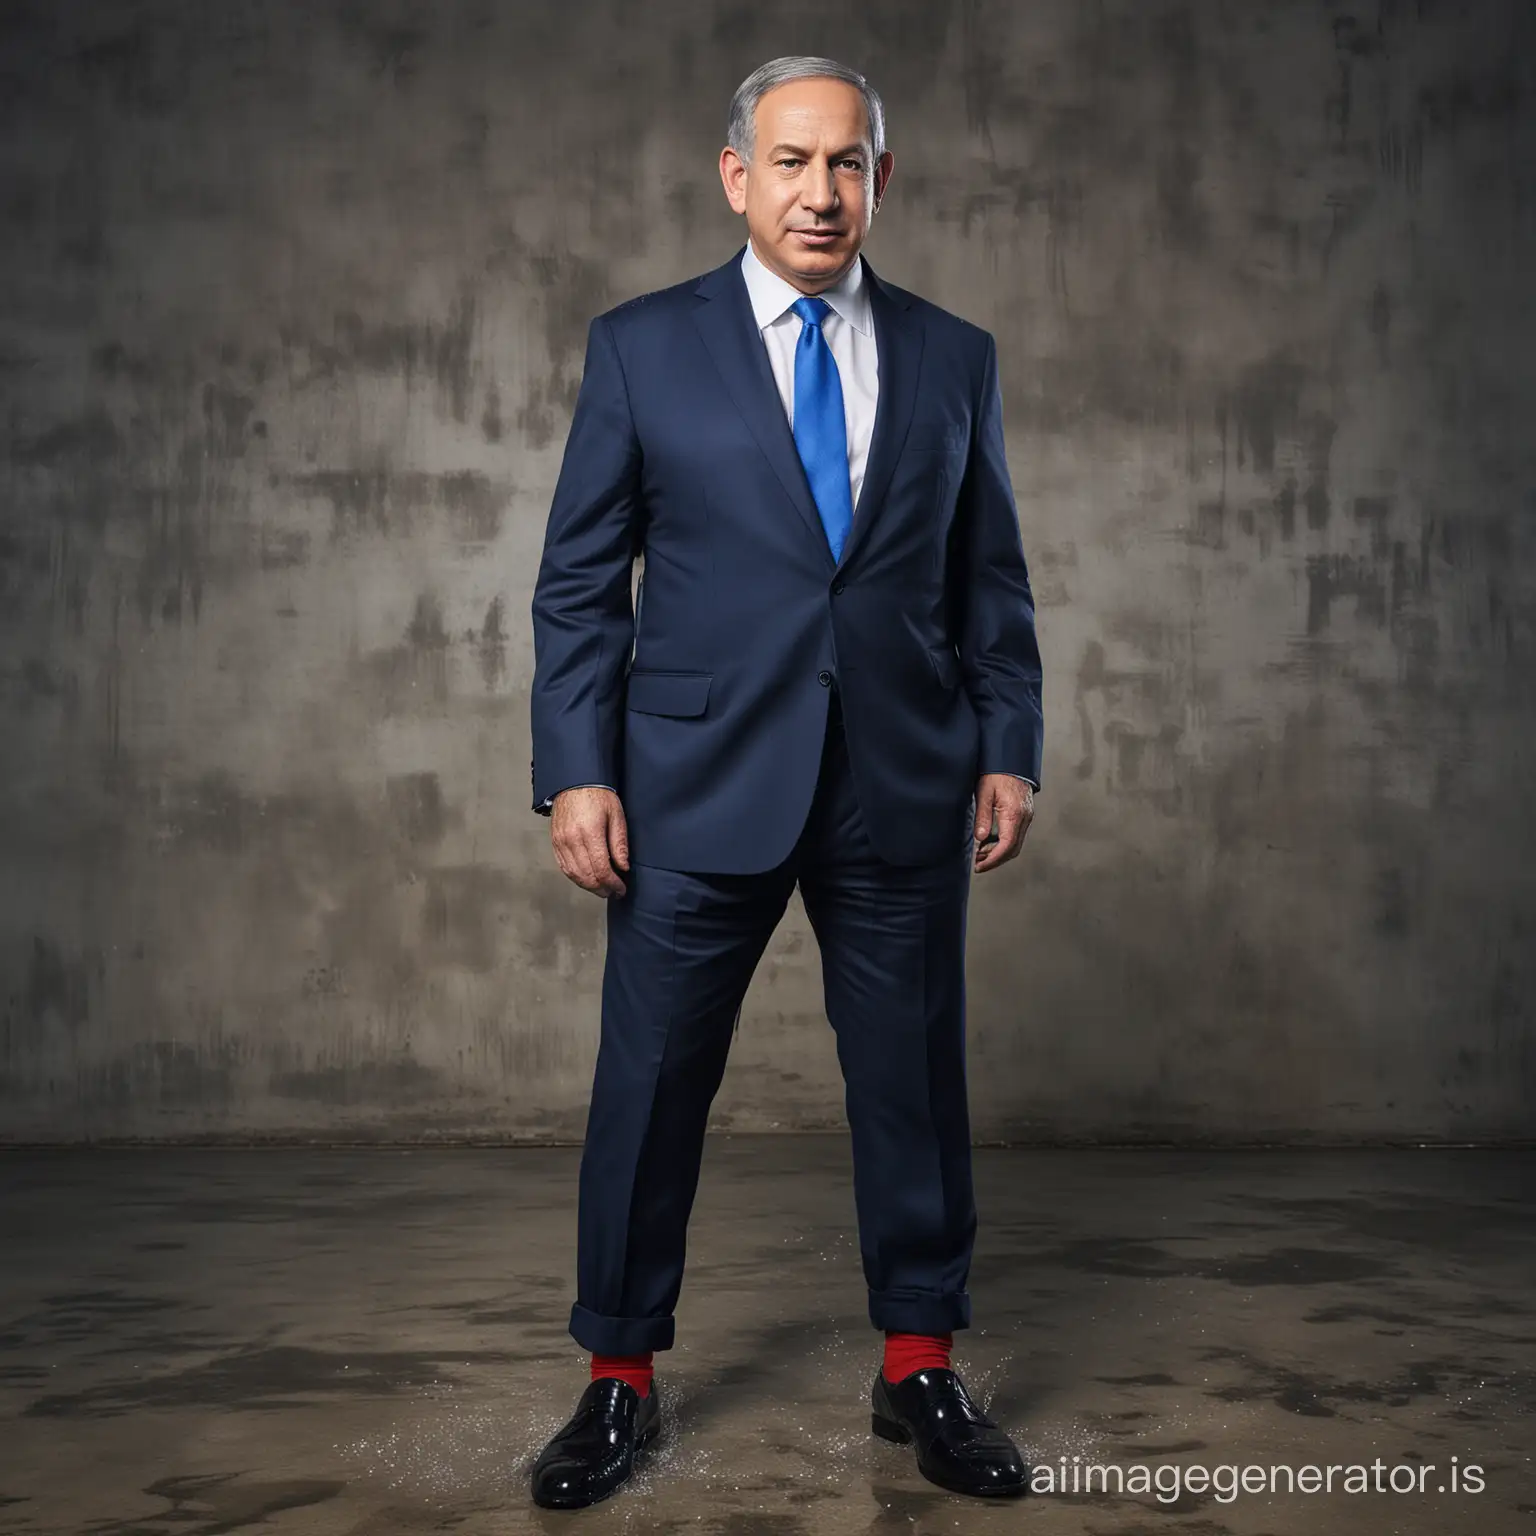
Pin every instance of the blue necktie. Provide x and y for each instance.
(821, 432)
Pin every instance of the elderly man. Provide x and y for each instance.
(830, 678)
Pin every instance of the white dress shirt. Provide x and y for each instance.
(849, 330)
(850, 334)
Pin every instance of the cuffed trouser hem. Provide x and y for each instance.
(620, 1335)
(920, 1311)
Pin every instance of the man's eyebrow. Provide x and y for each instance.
(837, 154)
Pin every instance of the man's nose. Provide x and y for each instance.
(820, 190)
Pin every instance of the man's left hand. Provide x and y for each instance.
(1012, 802)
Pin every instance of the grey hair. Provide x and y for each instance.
(740, 128)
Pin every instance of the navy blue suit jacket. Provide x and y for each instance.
(705, 704)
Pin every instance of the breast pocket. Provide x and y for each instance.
(932, 462)
(948, 439)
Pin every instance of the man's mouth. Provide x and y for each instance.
(818, 236)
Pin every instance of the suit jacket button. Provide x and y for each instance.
(824, 678)
(837, 587)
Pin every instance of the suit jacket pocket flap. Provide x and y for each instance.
(669, 693)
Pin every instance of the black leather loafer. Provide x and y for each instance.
(958, 1446)
(596, 1450)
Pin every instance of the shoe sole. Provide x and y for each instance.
(899, 1434)
(642, 1442)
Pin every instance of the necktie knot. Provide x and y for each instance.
(811, 310)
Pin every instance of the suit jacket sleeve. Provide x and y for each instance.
(583, 616)
(999, 653)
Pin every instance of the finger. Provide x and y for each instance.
(1008, 824)
(984, 810)
(595, 848)
(998, 853)
(568, 856)
(1012, 826)
(586, 862)
(618, 838)
(578, 869)
(989, 858)
(561, 845)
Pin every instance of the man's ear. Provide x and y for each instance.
(732, 176)
(886, 164)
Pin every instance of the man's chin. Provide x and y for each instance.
(808, 261)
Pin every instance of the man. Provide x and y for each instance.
(831, 678)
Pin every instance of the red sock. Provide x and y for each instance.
(908, 1352)
(637, 1370)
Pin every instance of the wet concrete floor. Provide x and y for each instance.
(374, 1341)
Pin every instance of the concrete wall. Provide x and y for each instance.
(294, 299)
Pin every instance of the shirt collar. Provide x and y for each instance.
(771, 295)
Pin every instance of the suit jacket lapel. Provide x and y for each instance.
(729, 329)
(899, 346)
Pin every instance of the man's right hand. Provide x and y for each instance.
(591, 838)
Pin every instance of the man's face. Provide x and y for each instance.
(810, 192)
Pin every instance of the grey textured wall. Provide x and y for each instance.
(294, 299)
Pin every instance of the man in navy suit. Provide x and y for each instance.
(830, 678)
